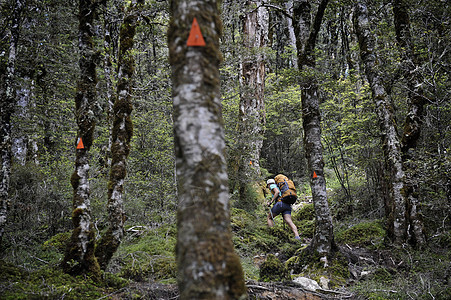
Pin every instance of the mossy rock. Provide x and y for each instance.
(364, 234)
(273, 270)
(307, 212)
(308, 263)
(114, 281)
(156, 268)
(240, 219)
(306, 228)
(259, 188)
(58, 241)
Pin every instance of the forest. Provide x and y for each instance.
(137, 138)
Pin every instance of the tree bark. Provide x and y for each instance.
(413, 122)
(121, 135)
(8, 99)
(208, 267)
(306, 34)
(252, 81)
(79, 258)
(390, 140)
(108, 70)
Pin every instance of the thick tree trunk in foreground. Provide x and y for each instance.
(208, 267)
(121, 136)
(306, 33)
(79, 258)
(8, 102)
(252, 81)
(413, 122)
(392, 149)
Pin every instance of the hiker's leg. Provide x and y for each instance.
(270, 220)
(289, 221)
(275, 210)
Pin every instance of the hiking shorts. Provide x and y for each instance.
(281, 207)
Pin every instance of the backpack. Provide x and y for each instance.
(287, 189)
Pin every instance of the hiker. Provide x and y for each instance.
(280, 207)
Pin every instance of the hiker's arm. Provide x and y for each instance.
(274, 197)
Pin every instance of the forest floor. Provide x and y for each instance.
(275, 266)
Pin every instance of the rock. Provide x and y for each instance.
(364, 274)
(324, 282)
(307, 283)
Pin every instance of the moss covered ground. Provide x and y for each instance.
(365, 266)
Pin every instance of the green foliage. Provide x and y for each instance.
(423, 276)
(149, 255)
(250, 201)
(40, 192)
(282, 150)
(251, 234)
(48, 283)
(365, 234)
(58, 242)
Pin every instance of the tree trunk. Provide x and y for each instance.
(208, 267)
(391, 143)
(306, 33)
(80, 258)
(289, 8)
(108, 70)
(252, 81)
(8, 99)
(121, 136)
(413, 122)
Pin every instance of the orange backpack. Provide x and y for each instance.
(287, 189)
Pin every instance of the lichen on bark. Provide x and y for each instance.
(121, 136)
(79, 257)
(390, 141)
(207, 264)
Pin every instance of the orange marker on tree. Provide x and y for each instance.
(195, 37)
(80, 144)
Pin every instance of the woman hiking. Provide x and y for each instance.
(280, 207)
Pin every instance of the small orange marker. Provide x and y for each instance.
(195, 37)
(250, 162)
(314, 175)
(80, 144)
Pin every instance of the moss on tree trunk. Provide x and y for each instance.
(384, 110)
(121, 135)
(79, 258)
(208, 267)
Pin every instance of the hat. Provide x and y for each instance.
(270, 181)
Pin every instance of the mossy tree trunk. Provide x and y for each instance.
(413, 122)
(252, 84)
(208, 267)
(306, 34)
(8, 102)
(392, 149)
(121, 136)
(108, 42)
(79, 258)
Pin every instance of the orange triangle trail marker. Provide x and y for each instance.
(314, 175)
(195, 37)
(80, 144)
